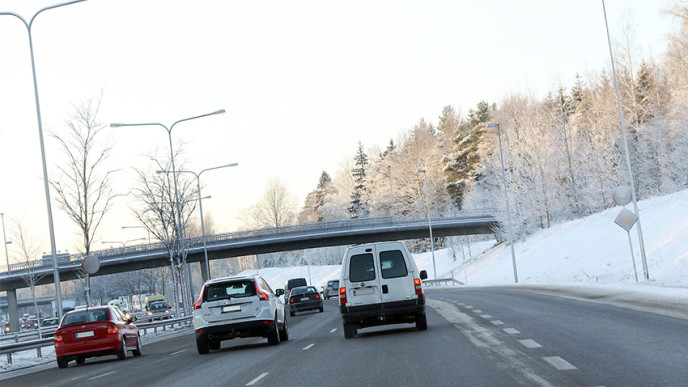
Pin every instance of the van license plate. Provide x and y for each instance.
(231, 308)
(81, 335)
(363, 291)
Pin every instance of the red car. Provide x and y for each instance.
(97, 331)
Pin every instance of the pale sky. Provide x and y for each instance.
(302, 83)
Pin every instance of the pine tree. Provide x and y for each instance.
(323, 189)
(359, 197)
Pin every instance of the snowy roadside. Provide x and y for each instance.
(26, 361)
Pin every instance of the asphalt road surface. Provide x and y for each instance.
(475, 337)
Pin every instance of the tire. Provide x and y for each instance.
(274, 336)
(284, 332)
(321, 309)
(291, 313)
(349, 331)
(62, 362)
(80, 360)
(214, 345)
(137, 351)
(122, 353)
(421, 322)
(202, 347)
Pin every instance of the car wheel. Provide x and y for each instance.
(421, 322)
(137, 351)
(62, 362)
(80, 360)
(202, 347)
(291, 313)
(214, 345)
(284, 332)
(321, 309)
(273, 337)
(349, 331)
(122, 354)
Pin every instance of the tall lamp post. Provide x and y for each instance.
(506, 199)
(628, 157)
(427, 203)
(200, 205)
(56, 273)
(176, 190)
(389, 170)
(4, 237)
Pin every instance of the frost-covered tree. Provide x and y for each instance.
(359, 204)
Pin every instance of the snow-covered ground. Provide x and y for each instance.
(584, 256)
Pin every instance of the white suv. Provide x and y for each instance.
(380, 284)
(238, 307)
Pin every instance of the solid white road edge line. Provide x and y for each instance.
(100, 376)
(256, 380)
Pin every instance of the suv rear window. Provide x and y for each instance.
(393, 264)
(227, 290)
(361, 268)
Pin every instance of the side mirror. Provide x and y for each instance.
(279, 292)
(423, 275)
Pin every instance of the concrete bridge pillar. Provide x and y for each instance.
(13, 310)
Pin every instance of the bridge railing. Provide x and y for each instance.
(65, 259)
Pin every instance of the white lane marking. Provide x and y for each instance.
(468, 307)
(100, 376)
(530, 343)
(497, 322)
(485, 316)
(462, 304)
(559, 363)
(256, 380)
(178, 352)
(511, 331)
(309, 346)
(477, 311)
(333, 330)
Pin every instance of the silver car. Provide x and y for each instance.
(233, 307)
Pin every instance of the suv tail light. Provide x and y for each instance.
(419, 286)
(342, 295)
(261, 295)
(197, 304)
(112, 329)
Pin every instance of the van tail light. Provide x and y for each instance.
(58, 338)
(342, 295)
(419, 286)
(197, 304)
(261, 295)
(112, 329)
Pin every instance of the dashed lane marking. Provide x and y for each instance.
(333, 330)
(559, 363)
(177, 353)
(477, 311)
(309, 346)
(497, 322)
(530, 343)
(511, 331)
(256, 380)
(100, 376)
(485, 316)
(468, 307)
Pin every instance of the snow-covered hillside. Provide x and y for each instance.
(589, 250)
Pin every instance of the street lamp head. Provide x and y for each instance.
(493, 125)
(219, 111)
(115, 125)
(232, 165)
(421, 171)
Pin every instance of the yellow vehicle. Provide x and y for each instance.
(153, 298)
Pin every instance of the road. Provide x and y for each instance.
(476, 337)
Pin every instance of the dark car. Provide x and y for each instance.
(304, 298)
(91, 332)
(291, 284)
(331, 290)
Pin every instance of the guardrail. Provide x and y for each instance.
(442, 282)
(15, 336)
(11, 348)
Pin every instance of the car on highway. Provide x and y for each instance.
(380, 284)
(50, 322)
(331, 289)
(159, 310)
(241, 306)
(6, 327)
(31, 324)
(97, 331)
(305, 298)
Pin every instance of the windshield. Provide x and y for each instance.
(158, 305)
(86, 316)
(227, 290)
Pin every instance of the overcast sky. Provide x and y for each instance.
(302, 83)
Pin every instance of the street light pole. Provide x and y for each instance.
(56, 272)
(389, 169)
(4, 237)
(506, 199)
(176, 190)
(427, 202)
(200, 205)
(628, 157)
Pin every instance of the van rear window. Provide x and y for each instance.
(361, 268)
(393, 264)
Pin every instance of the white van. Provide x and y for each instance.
(380, 284)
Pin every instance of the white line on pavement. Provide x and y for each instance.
(100, 376)
(497, 322)
(511, 331)
(468, 307)
(309, 346)
(530, 343)
(477, 311)
(485, 316)
(559, 363)
(333, 330)
(178, 352)
(256, 380)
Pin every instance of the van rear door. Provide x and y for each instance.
(362, 278)
(396, 273)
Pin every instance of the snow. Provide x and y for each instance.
(587, 257)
